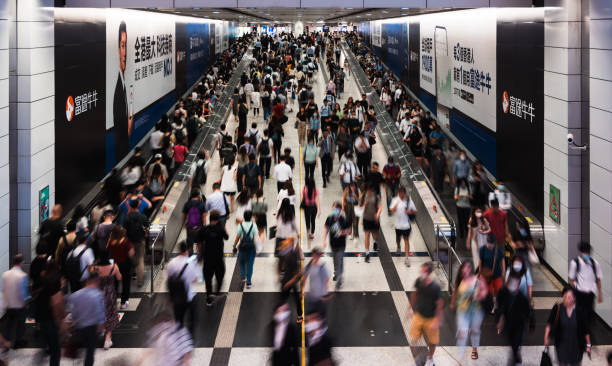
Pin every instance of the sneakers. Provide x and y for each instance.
(375, 246)
(430, 362)
(367, 258)
(108, 344)
(210, 300)
(398, 250)
(124, 305)
(249, 286)
(407, 262)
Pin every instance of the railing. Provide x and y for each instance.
(446, 257)
(158, 234)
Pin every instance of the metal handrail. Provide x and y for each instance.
(156, 269)
(452, 257)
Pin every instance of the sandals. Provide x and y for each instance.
(474, 355)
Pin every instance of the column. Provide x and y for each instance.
(600, 145)
(562, 115)
(4, 137)
(32, 130)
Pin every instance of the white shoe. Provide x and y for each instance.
(430, 362)
(108, 344)
(407, 262)
(124, 305)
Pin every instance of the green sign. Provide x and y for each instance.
(554, 206)
(43, 204)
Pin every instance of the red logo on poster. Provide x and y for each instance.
(505, 102)
(69, 108)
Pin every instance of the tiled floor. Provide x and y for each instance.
(366, 317)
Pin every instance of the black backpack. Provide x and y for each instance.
(578, 266)
(246, 242)
(264, 147)
(72, 267)
(200, 174)
(177, 288)
(251, 175)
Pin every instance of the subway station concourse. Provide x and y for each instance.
(301, 182)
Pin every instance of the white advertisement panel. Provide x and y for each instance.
(140, 60)
(377, 33)
(470, 37)
(218, 36)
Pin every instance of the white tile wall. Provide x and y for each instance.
(4, 180)
(35, 87)
(32, 115)
(562, 34)
(600, 241)
(562, 86)
(599, 65)
(562, 10)
(34, 61)
(34, 140)
(35, 34)
(600, 9)
(601, 92)
(35, 10)
(4, 138)
(601, 151)
(33, 167)
(562, 60)
(601, 212)
(601, 123)
(600, 179)
(600, 34)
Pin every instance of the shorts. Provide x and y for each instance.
(399, 233)
(495, 285)
(371, 225)
(421, 325)
(229, 193)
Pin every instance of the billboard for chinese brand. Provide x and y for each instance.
(116, 73)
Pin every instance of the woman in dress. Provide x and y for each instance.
(310, 200)
(109, 273)
(228, 181)
(478, 229)
(121, 251)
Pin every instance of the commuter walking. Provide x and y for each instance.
(78, 262)
(350, 200)
(337, 227)
(492, 266)
(168, 342)
(461, 168)
(244, 244)
(392, 174)
(182, 274)
(252, 179)
(108, 273)
(194, 212)
(302, 122)
(229, 177)
(310, 204)
(16, 294)
(259, 207)
(478, 231)
(470, 290)
(289, 257)
(265, 149)
(463, 197)
(327, 150)
(317, 273)
(50, 311)
(498, 221)
(136, 226)
(212, 238)
(88, 316)
(427, 315)
(282, 173)
(310, 158)
(218, 201)
(568, 326)
(585, 277)
(402, 208)
(370, 204)
(122, 252)
(286, 338)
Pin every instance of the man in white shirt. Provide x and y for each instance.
(86, 259)
(402, 207)
(282, 173)
(186, 268)
(503, 196)
(15, 289)
(256, 100)
(248, 90)
(585, 277)
(253, 131)
(155, 140)
(348, 172)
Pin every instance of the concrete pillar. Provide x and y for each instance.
(600, 145)
(4, 137)
(562, 115)
(32, 105)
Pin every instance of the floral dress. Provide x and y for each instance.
(107, 286)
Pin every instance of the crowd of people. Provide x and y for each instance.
(81, 265)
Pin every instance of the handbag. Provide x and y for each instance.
(545, 360)
(272, 233)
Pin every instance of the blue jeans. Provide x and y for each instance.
(468, 323)
(266, 113)
(391, 191)
(245, 264)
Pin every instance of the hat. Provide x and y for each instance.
(158, 156)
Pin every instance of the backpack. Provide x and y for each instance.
(177, 288)
(251, 175)
(247, 243)
(155, 187)
(227, 152)
(194, 218)
(63, 255)
(578, 267)
(200, 174)
(264, 147)
(178, 134)
(253, 138)
(72, 268)
(226, 138)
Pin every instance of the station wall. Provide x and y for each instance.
(105, 105)
(481, 72)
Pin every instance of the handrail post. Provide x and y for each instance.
(450, 269)
(152, 265)
(438, 245)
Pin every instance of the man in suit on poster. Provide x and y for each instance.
(123, 122)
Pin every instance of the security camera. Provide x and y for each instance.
(573, 145)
